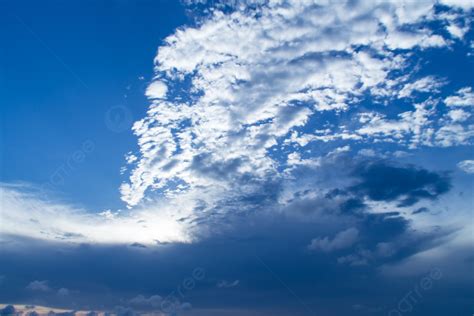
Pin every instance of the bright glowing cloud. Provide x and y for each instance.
(25, 213)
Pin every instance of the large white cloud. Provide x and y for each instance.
(242, 82)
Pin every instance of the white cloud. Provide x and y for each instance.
(400, 154)
(156, 90)
(294, 159)
(464, 4)
(426, 84)
(28, 214)
(413, 127)
(456, 30)
(463, 97)
(453, 135)
(367, 152)
(420, 127)
(458, 115)
(254, 80)
(408, 40)
(342, 240)
(466, 166)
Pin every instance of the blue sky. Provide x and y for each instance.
(58, 84)
(237, 158)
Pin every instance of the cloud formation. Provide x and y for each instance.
(39, 286)
(384, 182)
(249, 87)
(466, 166)
(343, 239)
(25, 212)
(285, 148)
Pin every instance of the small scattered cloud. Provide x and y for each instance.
(466, 166)
(342, 240)
(63, 292)
(458, 115)
(463, 97)
(142, 301)
(456, 30)
(41, 286)
(427, 84)
(156, 90)
(367, 152)
(170, 305)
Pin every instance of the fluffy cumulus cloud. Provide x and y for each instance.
(463, 97)
(251, 85)
(156, 90)
(426, 84)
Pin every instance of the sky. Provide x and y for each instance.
(195, 157)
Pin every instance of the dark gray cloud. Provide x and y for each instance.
(420, 210)
(259, 251)
(254, 246)
(383, 181)
(138, 245)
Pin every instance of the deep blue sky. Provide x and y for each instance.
(63, 66)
